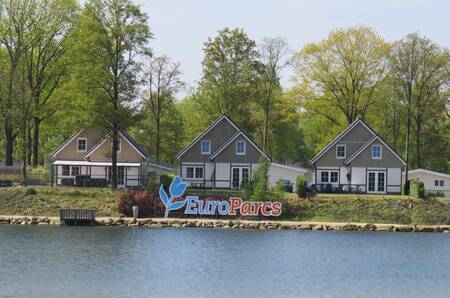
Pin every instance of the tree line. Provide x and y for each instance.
(64, 65)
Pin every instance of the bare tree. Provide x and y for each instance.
(272, 52)
(163, 82)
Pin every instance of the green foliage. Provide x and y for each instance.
(29, 191)
(165, 180)
(301, 189)
(416, 188)
(261, 177)
(383, 210)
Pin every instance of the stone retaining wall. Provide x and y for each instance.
(231, 224)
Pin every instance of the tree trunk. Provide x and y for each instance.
(29, 144)
(36, 130)
(114, 157)
(158, 137)
(9, 144)
(266, 124)
(418, 151)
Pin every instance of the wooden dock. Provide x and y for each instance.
(77, 217)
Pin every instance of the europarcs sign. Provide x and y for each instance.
(196, 206)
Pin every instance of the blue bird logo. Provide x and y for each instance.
(176, 189)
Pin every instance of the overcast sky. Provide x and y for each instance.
(180, 27)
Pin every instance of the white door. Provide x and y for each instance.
(239, 175)
(376, 182)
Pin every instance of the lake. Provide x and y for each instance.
(49, 261)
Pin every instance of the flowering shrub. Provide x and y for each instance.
(148, 203)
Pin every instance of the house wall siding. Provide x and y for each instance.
(126, 154)
(388, 159)
(353, 140)
(428, 182)
(252, 155)
(69, 152)
(218, 135)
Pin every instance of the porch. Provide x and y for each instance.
(97, 174)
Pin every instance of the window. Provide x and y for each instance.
(340, 151)
(240, 148)
(206, 147)
(190, 172)
(376, 152)
(81, 144)
(439, 183)
(329, 176)
(324, 177)
(65, 170)
(194, 172)
(333, 177)
(199, 173)
(75, 170)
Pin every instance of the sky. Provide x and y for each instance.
(181, 27)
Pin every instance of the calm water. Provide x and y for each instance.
(125, 262)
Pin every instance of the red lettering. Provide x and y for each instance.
(235, 203)
(265, 209)
(246, 208)
(257, 206)
(276, 209)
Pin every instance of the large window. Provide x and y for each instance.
(81, 144)
(75, 171)
(439, 183)
(206, 147)
(329, 177)
(66, 170)
(194, 172)
(340, 151)
(376, 152)
(240, 147)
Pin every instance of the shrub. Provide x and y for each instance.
(301, 188)
(152, 183)
(261, 178)
(405, 188)
(30, 191)
(145, 200)
(416, 188)
(165, 180)
(434, 194)
(248, 187)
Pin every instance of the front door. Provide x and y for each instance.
(239, 175)
(376, 182)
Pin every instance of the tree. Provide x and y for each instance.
(272, 51)
(339, 76)
(110, 38)
(45, 68)
(230, 77)
(163, 82)
(17, 29)
(420, 70)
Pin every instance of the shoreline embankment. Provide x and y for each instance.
(231, 224)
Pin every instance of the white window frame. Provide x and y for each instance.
(345, 151)
(209, 147)
(381, 152)
(244, 146)
(71, 170)
(78, 146)
(436, 182)
(441, 183)
(195, 174)
(329, 176)
(65, 174)
(187, 172)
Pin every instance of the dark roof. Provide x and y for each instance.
(135, 143)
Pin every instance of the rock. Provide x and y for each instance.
(385, 228)
(317, 228)
(350, 227)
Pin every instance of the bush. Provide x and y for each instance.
(416, 188)
(434, 194)
(145, 200)
(405, 188)
(30, 192)
(261, 179)
(301, 187)
(165, 180)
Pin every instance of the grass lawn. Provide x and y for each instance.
(46, 201)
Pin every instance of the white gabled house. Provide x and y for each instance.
(358, 160)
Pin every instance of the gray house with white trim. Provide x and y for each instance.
(358, 160)
(222, 156)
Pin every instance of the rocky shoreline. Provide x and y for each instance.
(232, 224)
